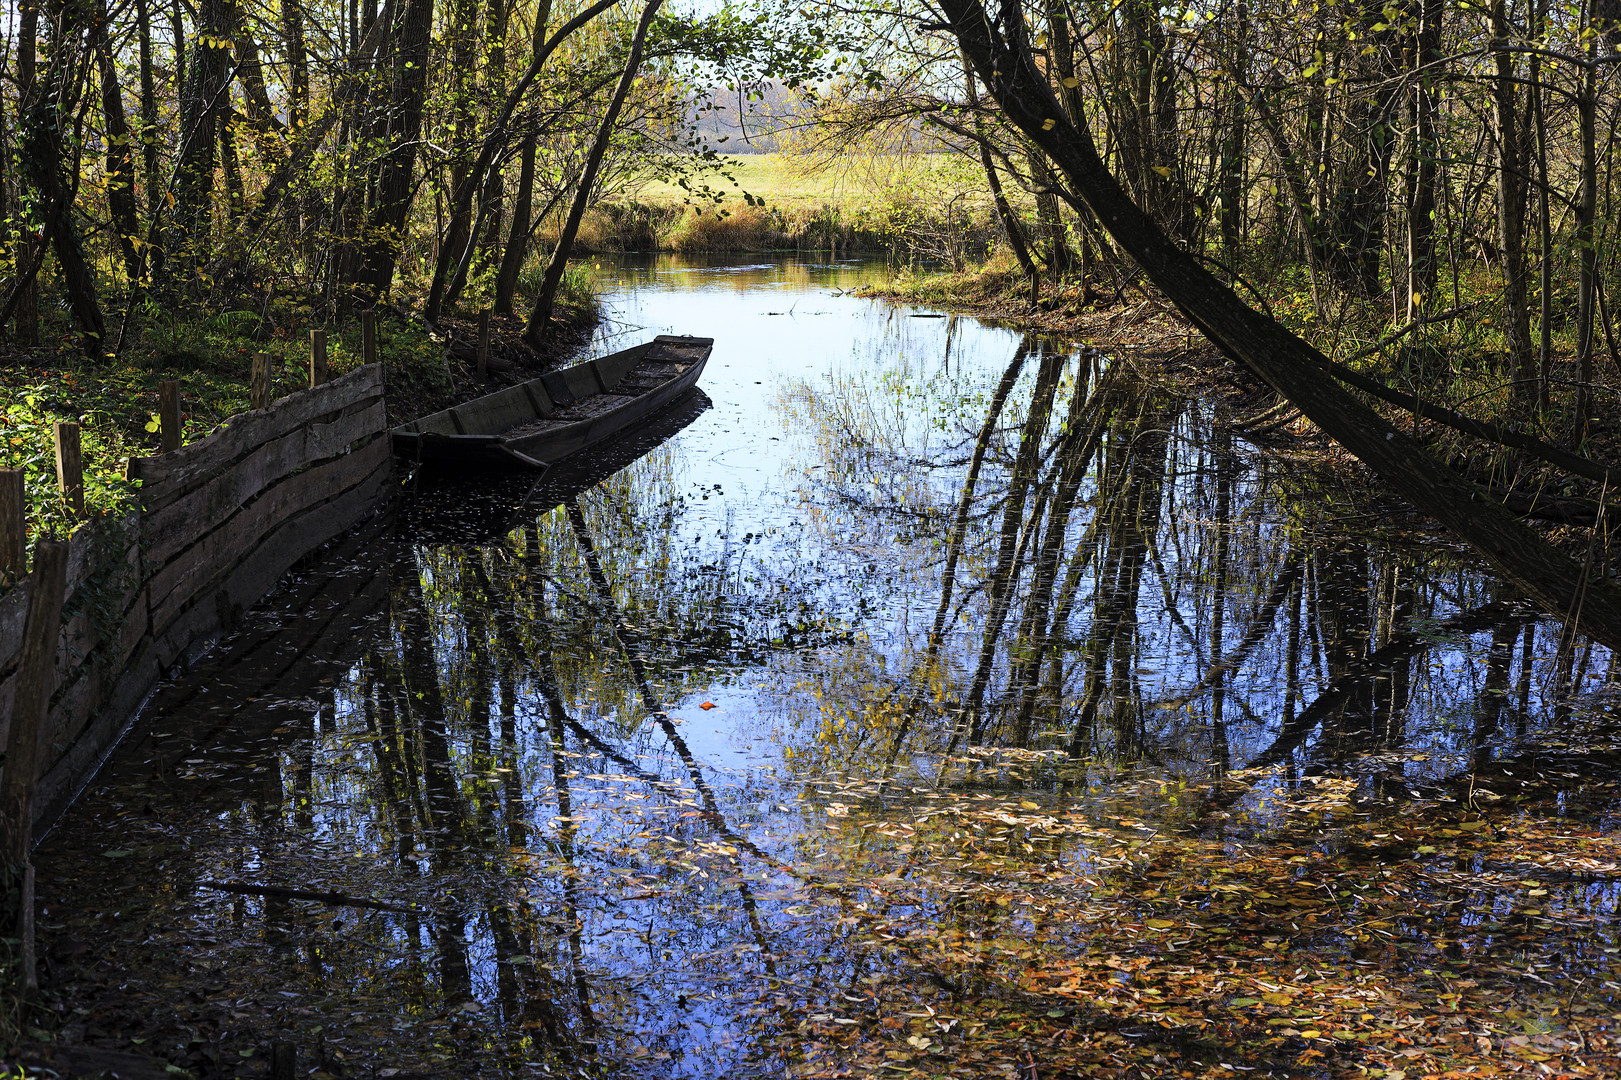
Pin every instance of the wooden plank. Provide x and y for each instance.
(13, 605)
(69, 466)
(169, 530)
(79, 644)
(175, 585)
(368, 338)
(581, 379)
(318, 367)
(615, 366)
(169, 414)
(36, 681)
(321, 626)
(483, 347)
(61, 784)
(13, 609)
(13, 528)
(538, 397)
(158, 497)
(88, 683)
(494, 413)
(181, 636)
(260, 382)
(246, 430)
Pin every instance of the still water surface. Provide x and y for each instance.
(593, 749)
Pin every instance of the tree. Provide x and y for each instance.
(996, 41)
(541, 314)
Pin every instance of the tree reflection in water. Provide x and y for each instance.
(1043, 578)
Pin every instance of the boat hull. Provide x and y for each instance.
(546, 420)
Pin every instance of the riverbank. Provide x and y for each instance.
(116, 403)
(1452, 363)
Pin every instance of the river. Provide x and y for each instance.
(610, 777)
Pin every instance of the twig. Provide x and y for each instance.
(334, 898)
(1440, 316)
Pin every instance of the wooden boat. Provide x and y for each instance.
(561, 413)
(449, 506)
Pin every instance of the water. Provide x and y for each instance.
(634, 769)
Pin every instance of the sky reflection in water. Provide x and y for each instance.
(465, 715)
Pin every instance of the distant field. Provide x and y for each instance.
(786, 182)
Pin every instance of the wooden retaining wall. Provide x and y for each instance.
(220, 521)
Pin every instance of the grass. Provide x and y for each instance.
(787, 182)
(926, 208)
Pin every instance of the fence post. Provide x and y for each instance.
(69, 465)
(368, 337)
(13, 526)
(259, 388)
(169, 413)
(483, 345)
(318, 372)
(36, 680)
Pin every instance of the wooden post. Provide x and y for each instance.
(368, 337)
(169, 413)
(483, 345)
(36, 681)
(69, 466)
(13, 527)
(283, 1060)
(259, 388)
(318, 372)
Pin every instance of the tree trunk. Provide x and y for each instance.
(1511, 208)
(1004, 211)
(1421, 267)
(541, 315)
(44, 145)
(518, 239)
(149, 111)
(298, 72)
(1544, 218)
(191, 237)
(391, 206)
(120, 157)
(1586, 239)
(26, 249)
(1235, 144)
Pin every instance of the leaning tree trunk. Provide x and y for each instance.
(541, 315)
(1288, 364)
(506, 284)
(1004, 210)
(44, 141)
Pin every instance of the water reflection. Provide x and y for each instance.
(603, 747)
